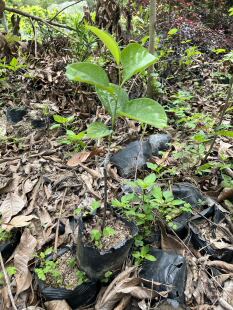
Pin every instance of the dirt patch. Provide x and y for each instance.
(66, 266)
(120, 235)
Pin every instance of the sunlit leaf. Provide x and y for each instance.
(146, 111)
(63, 120)
(135, 59)
(109, 100)
(109, 41)
(88, 73)
(225, 133)
(97, 130)
(172, 31)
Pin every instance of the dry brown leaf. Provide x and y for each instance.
(227, 292)
(95, 173)
(123, 303)
(78, 158)
(11, 206)
(33, 308)
(170, 242)
(45, 218)
(221, 264)
(227, 193)
(57, 305)
(87, 180)
(28, 185)
(23, 254)
(123, 285)
(4, 298)
(19, 221)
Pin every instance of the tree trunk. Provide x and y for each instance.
(108, 16)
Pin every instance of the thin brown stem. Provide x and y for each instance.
(105, 193)
(7, 283)
(221, 116)
(59, 12)
(58, 221)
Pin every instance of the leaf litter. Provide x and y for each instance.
(37, 170)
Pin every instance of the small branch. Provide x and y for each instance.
(39, 19)
(7, 283)
(58, 221)
(59, 12)
(105, 191)
(221, 116)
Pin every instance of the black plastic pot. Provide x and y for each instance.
(215, 214)
(82, 295)
(16, 115)
(8, 247)
(95, 262)
(192, 195)
(169, 270)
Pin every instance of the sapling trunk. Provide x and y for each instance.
(106, 161)
(153, 5)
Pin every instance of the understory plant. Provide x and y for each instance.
(147, 204)
(131, 60)
(49, 269)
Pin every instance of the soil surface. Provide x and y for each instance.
(122, 232)
(68, 274)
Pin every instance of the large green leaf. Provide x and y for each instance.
(109, 99)
(88, 73)
(109, 41)
(135, 59)
(97, 130)
(146, 111)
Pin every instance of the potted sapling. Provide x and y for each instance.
(104, 239)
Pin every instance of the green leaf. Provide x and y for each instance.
(172, 31)
(146, 111)
(95, 235)
(109, 231)
(225, 133)
(55, 126)
(230, 12)
(109, 99)
(157, 193)
(150, 179)
(88, 73)
(73, 137)
(63, 120)
(109, 41)
(168, 195)
(97, 130)
(135, 59)
(95, 205)
(150, 257)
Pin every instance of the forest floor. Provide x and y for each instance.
(45, 178)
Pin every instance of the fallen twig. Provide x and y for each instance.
(58, 221)
(7, 283)
(39, 19)
(59, 12)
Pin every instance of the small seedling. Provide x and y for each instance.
(94, 207)
(143, 254)
(4, 235)
(62, 121)
(97, 235)
(82, 277)
(48, 267)
(106, 277)
(10, 270)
